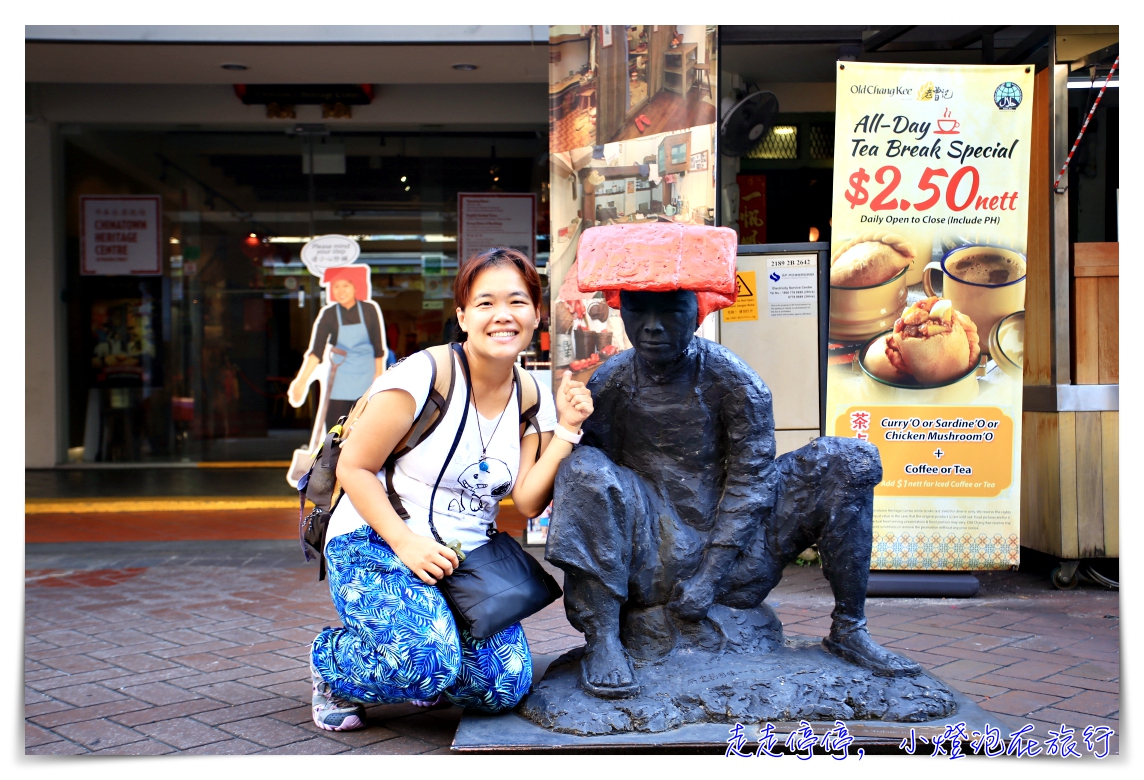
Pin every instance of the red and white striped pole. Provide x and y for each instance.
(1056, 185)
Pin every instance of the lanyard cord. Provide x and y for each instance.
(473, 395)
(484, 447)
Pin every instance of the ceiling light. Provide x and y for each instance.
(233, 66)
(402, 179)
(407, 188)
(466, 66)
(496, 178)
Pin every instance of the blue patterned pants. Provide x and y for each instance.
(400, 642)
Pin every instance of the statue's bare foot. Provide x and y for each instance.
(605, 670)
(858, 647)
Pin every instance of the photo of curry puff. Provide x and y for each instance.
(931, 343)
(870, 259)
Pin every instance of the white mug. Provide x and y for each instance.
(857, 313)
(982, 301)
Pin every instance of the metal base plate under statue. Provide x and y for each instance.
(691, 701)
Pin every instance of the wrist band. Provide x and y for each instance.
(562, 433)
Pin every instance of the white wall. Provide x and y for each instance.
(562, 207)
(44, 417)
(696, 187)
(629, 198)
(695, 33)
(573, 56)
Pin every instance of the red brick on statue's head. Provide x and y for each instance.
(660, 257)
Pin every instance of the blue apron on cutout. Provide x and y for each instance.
(353, 359)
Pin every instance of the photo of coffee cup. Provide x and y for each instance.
(1007, 344)
(857, 313)
(984, 282)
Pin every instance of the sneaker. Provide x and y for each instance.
(331, 712)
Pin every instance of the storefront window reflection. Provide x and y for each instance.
(194, 364)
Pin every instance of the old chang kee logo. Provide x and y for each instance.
(874, 89)
(929, 92)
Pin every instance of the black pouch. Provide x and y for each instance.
(497, 585)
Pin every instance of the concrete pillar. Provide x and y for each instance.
(45, 422)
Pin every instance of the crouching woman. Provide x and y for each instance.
(399, 641)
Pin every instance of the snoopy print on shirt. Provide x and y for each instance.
(482, 489)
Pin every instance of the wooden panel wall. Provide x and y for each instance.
(1096, 313)
(1089, 486)
(1038, 290)
(1070, 480)
(658, 41)
(611, 95)
(1040, 482)
(1070, 484)
(1108, 330)
(1066, 428)
(1110, 459)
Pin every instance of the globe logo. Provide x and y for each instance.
(1007, 96)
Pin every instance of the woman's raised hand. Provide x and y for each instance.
(573, 402)
(425, 558)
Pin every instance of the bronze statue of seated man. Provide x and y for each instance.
(674, 502)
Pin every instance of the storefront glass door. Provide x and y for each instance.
(192, 364)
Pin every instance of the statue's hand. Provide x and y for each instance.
(692, 599)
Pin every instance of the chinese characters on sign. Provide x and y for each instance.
(950, 743)
(752, 209)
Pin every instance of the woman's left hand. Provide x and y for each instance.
(573, 402)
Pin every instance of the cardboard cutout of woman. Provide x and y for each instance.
(349, 335)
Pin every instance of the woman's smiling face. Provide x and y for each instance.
(343, 292)
(500, 317)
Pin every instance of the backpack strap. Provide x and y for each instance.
(528, 401)
(441, 384)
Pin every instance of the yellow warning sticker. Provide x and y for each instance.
(746, 306)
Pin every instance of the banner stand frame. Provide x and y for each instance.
(923, 584)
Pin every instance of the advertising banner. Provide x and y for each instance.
(927, 298)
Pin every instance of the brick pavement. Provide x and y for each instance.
(143, 650)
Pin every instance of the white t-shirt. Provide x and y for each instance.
(468, 498)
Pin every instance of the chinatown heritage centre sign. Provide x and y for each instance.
(120, 235)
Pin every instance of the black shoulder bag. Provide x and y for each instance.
(498, 583)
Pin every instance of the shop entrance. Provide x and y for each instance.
(193, 364)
